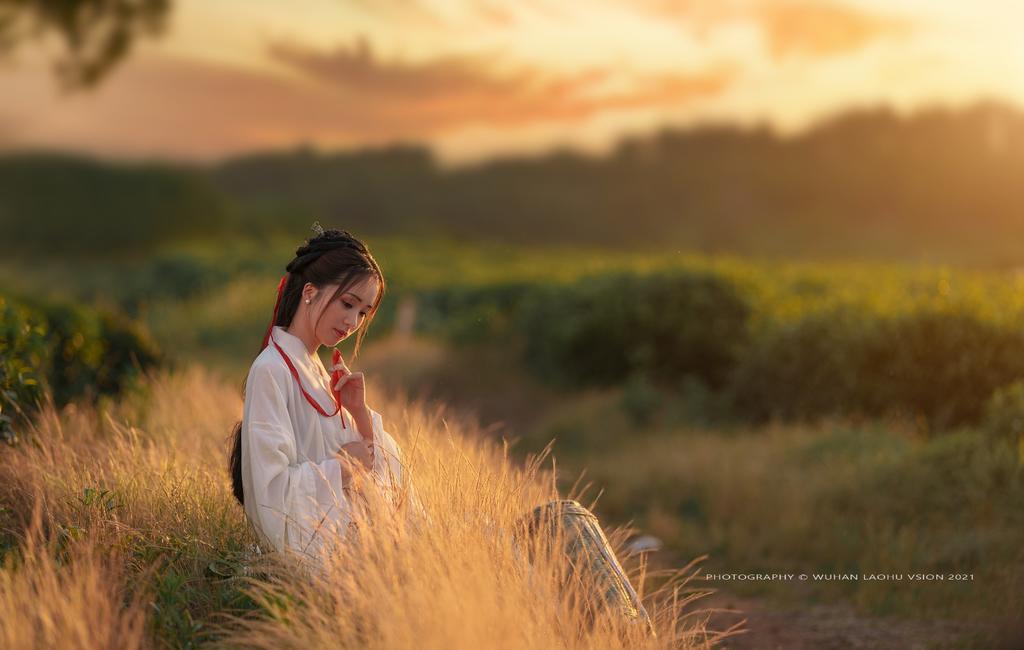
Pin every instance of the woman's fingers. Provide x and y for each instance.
(344, 378)
(341, 362)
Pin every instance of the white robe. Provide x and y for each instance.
(290, 474)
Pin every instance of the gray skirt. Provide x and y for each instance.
(590, 557)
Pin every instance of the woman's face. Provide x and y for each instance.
(343, 315)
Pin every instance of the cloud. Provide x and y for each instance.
(422, 98)
(812, 28)
(170, 107)
(822, 29)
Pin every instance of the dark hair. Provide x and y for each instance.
(334, 256)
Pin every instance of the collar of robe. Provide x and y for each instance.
(309, 398)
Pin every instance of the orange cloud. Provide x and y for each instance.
(170, 107)
(820, 29)
(813, 28)
(423, 98)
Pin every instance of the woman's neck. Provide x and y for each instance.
(304, 334)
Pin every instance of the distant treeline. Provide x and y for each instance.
(58, 204)
(941, 184)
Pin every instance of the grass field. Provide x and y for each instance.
(120, 531)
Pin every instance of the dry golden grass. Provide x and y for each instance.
(123, 533)
(67, 598)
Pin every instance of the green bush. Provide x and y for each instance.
(1004, 414)
(936, 365)
(804, 368)
(171, 275)
(941, 365)
(71, 351)
(23, 352)
(667, 325)
(793, 345)
(471, 314)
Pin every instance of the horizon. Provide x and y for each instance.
(740, 129)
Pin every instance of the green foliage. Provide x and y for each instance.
(640, 400)
(942, 365)
(720, 338)
(23, 352)
(667, 325)
(470, 314)
(73, 352)
(1004, 414)
(862, 185)
(937, 366)
(172, 275)
(95, 352)
(60, 205)
(803, 368)
(752, 340)
(96, 35)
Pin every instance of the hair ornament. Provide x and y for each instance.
(317, 229)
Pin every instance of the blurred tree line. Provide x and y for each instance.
(940, 184)
(866, 183)
(60, 205)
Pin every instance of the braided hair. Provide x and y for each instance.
(331, 257)
(334, 256)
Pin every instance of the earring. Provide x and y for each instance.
(307, 301)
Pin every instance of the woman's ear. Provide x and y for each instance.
(308, 292)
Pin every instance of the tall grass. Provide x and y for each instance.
(55, 597)
(121, 531)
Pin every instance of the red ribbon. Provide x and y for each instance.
(277, 303)
(291, 366)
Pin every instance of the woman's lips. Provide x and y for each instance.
(340, 333)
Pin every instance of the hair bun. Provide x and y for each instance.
(327, 240)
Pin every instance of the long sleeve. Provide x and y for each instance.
(293, 501)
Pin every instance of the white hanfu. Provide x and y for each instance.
(291, 476)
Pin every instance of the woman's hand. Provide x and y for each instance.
(350, 387)
(355, 456)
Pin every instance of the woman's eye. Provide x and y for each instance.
(348, 305)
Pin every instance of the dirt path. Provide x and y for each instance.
(829, 627)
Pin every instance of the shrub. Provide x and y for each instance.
(803, 368)
(668, 325)
(179, 275)
(23, 351)
(73, 351)
(1004, 414)
(937, 365)
(941, 365)
(470, 314)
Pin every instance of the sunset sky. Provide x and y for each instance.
(478, 79)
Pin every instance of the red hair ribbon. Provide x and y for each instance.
(268, 337)
(277, 304)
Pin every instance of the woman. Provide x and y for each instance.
(304, 443)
